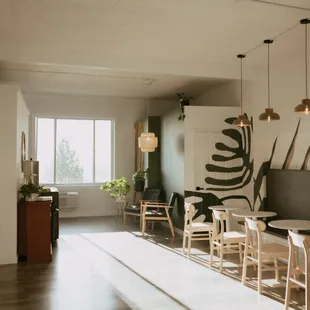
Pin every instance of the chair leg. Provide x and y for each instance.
(288, 293)
(245, 264)
(189, 244)
(143, 227)
(221, 257)
(259, 274)
(184, 241)
(141, 222)
(276, 267)
(307, 301)
(124, 218)
(171, 227)
(211, 252)
(240, 253)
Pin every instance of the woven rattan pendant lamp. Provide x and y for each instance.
(269, 114)
(242, 120)
(147, 142)
(304, 107)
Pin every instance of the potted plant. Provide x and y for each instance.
(183, 100)
(139, 178)
(118, 188)
(30, 191)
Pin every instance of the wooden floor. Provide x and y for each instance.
(99, 265)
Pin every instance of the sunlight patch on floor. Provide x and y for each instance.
(194, 285)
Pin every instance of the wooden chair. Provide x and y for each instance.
(159, 211)
(153, 195)
(195, 229)
(295, 270)
(261, 254)
(229, 242)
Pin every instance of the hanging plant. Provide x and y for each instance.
(183, 100)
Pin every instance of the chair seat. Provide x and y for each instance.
(155, 214)
(194, 227)
(274, 249)
(232, 237)
(132, 209)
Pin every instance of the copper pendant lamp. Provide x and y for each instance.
(269, 114)
(242, 120)
(304, 107)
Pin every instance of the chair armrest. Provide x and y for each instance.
(145, 206)
(154, 201)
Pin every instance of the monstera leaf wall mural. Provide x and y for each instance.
(241, 138)
(239, 164)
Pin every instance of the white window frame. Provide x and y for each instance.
(35, 146)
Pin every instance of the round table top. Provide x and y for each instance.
(254, 214)
(290, 224)
(225, 208)
(193, 199)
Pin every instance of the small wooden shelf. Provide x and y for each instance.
(34, 231)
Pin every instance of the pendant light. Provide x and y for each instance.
(147, 142)
(269, 114)
(242, 120)
(304, 107)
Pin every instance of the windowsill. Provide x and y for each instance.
(72, 185)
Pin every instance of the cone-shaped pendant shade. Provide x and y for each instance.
(242, 121)
(304, 107)
(148, 142)
(269, 115)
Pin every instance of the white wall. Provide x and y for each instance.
(13, 120)
(92, 201)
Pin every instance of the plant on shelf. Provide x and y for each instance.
(118, 188)
(183, 100)
(139, 178)
(30, 191)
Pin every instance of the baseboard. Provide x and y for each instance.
(8, 260)
(68, 215)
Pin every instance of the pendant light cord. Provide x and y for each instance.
(241, 56)
(241, 89)
(268, 78)
(306, 57)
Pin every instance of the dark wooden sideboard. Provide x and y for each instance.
(34, 232)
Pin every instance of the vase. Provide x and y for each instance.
(32, 197)
(139, 186)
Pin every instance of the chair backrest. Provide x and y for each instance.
(256, 227)
(219, 217)
(152, 194)
(190, 212)
(301, 242)
(172, 201)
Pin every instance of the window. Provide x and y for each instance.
(74, 151)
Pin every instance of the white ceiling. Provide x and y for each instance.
(103, 82)
(115, 47)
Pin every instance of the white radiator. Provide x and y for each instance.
(68, 200)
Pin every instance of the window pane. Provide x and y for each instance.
(103, 151)
(74, 151)
(45, 150)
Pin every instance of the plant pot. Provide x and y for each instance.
(33, 197)
(184, 102)
(139, 186)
